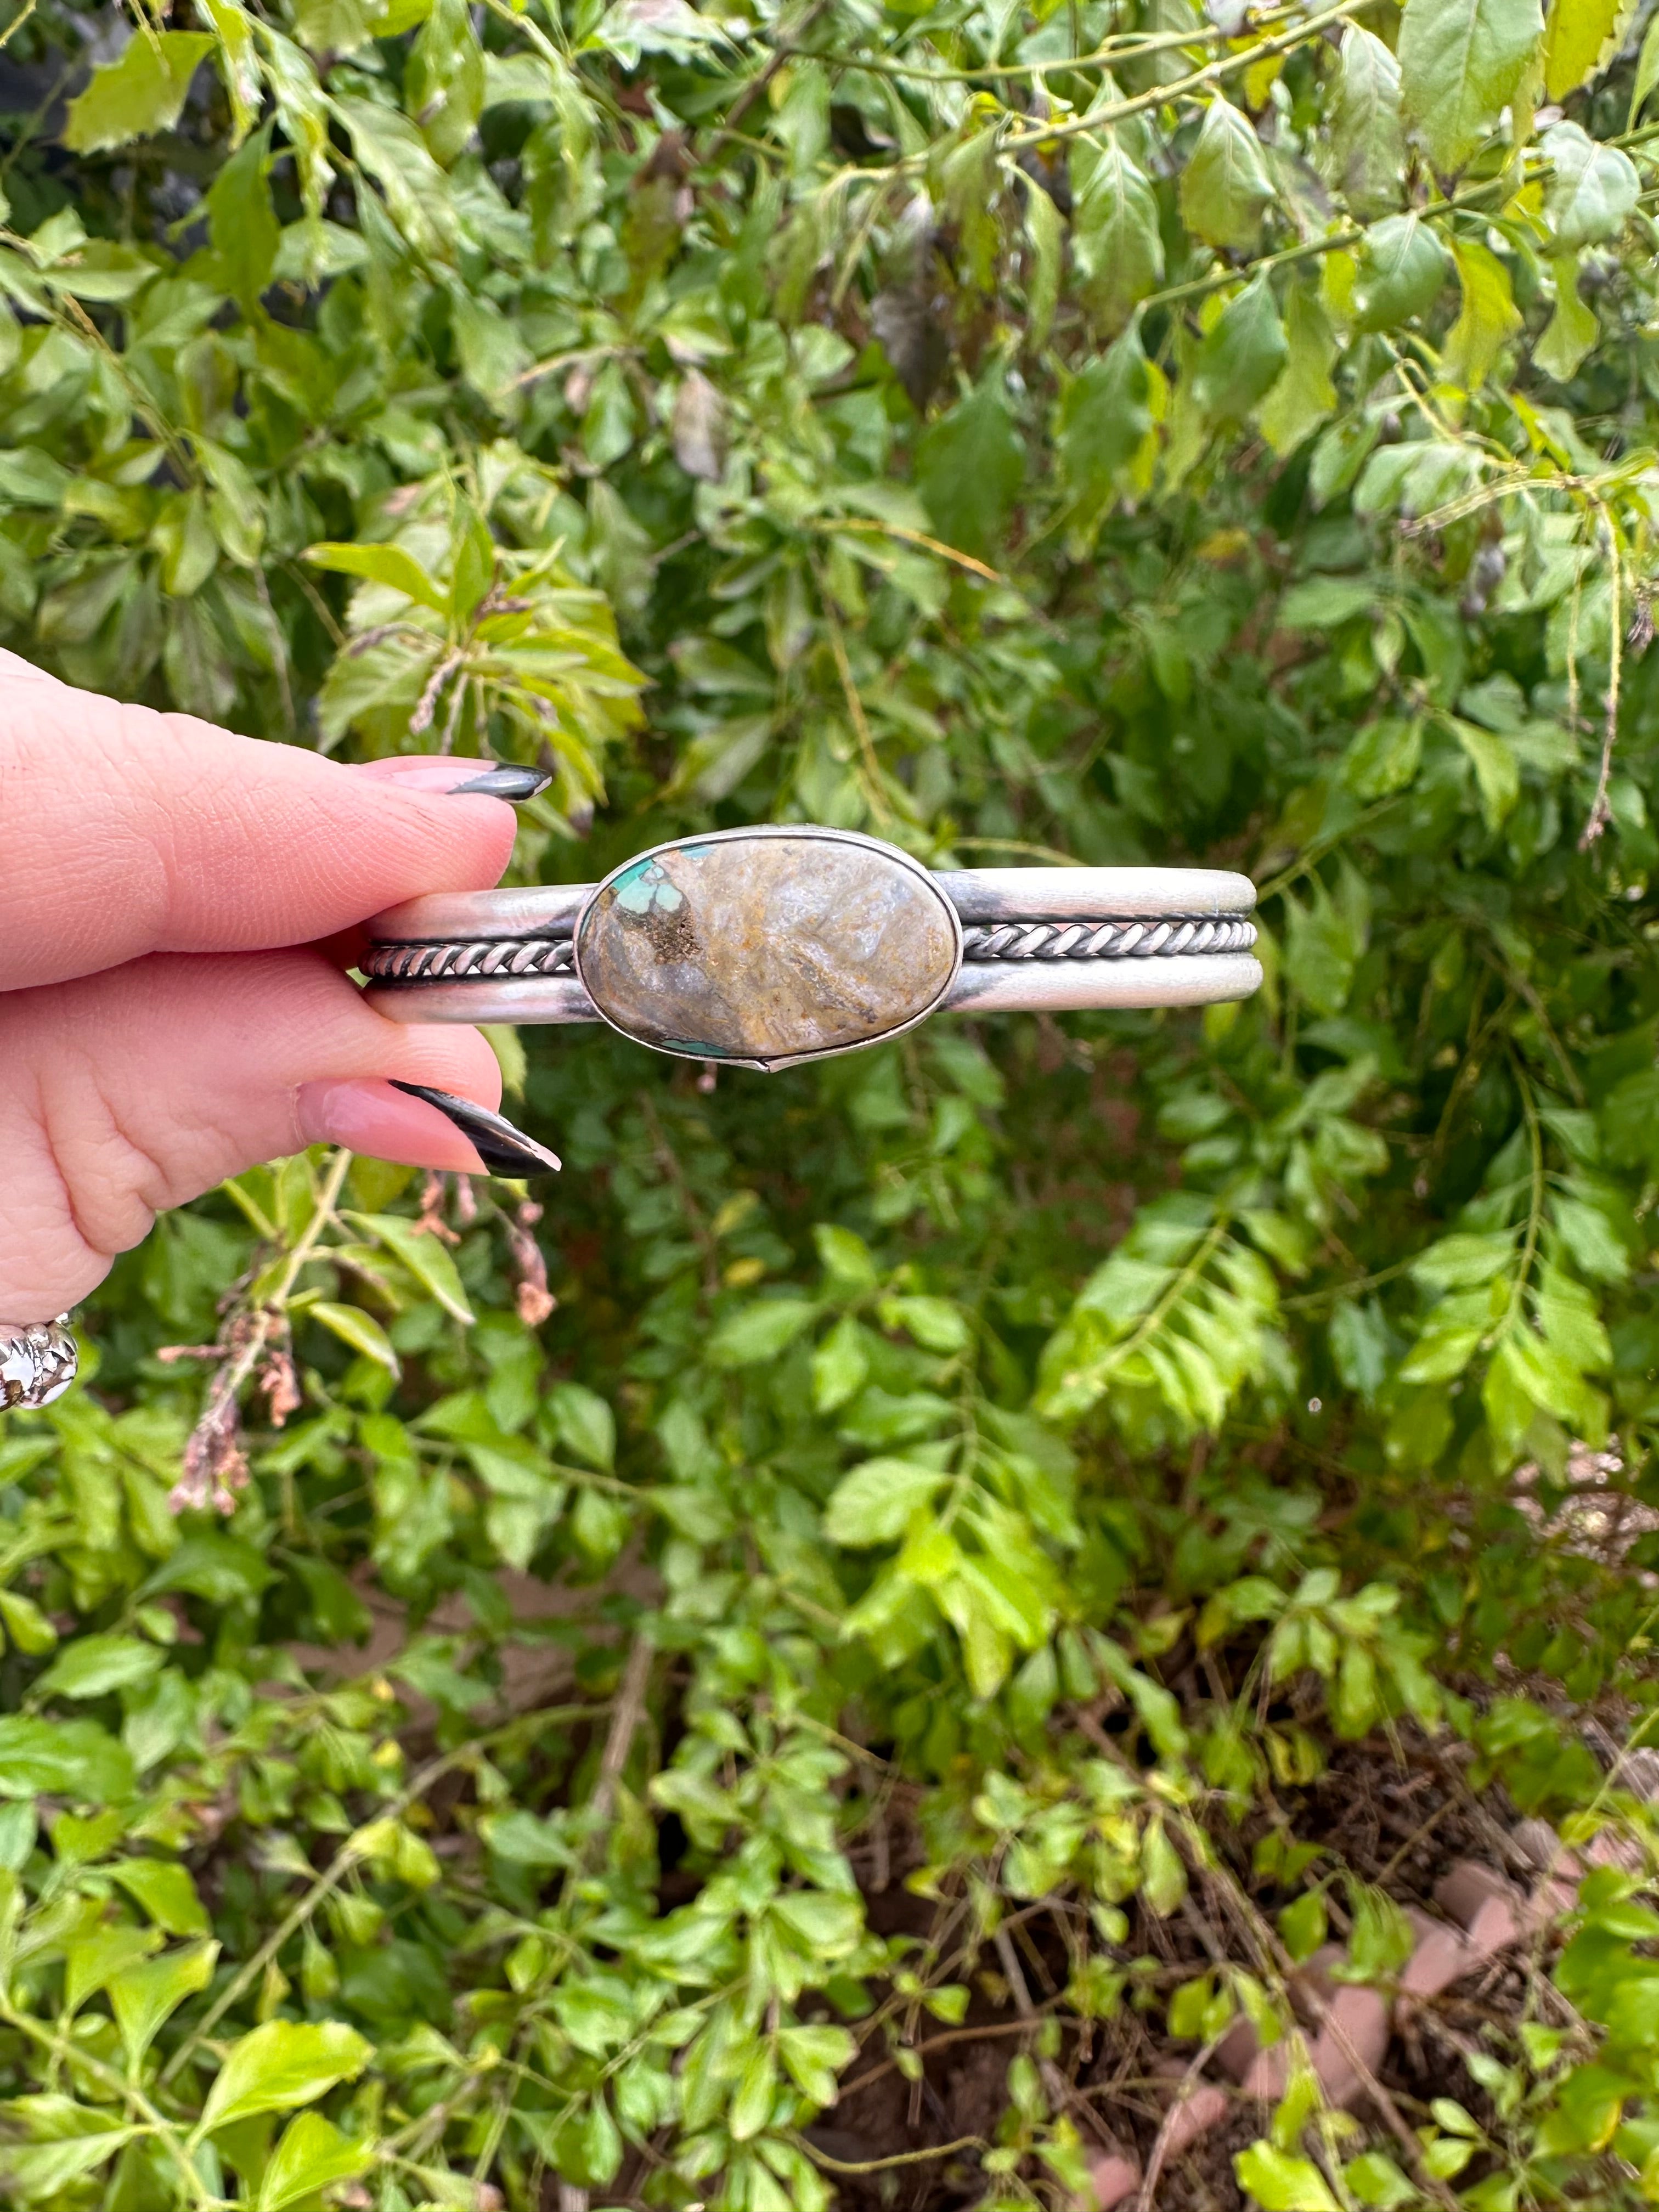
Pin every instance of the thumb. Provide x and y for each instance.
(130, 1091)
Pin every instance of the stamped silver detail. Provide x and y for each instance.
(37, 1362)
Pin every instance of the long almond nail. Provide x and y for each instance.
(432, 772)
(369, 1115)
(504, 1150)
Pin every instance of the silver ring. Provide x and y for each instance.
(37, 1362)
(768, 946)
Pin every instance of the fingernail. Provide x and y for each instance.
(504, 1150)
(483, 779)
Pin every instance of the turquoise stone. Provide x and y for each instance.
(767, 946)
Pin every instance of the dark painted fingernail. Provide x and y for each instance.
(504, 1150)
(433, 772)
(514, 783)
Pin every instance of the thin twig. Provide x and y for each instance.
(625, 1721)
(1182, 2097)
(1601, 813)
(879, 2164)
(916, 538)
(786, 48)
(882, 811)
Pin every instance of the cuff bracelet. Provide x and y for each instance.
(768, 946)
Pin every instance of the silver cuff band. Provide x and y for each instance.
(768, 946)
(37, 1362)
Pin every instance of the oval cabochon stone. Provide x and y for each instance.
(766, 947)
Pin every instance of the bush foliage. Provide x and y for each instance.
(974, 1485)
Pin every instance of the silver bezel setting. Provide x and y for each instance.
(808, 833)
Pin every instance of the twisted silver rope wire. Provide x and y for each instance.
(1105, 940)
(447, 963)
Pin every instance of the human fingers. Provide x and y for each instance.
(129, 1091)
(129, 832)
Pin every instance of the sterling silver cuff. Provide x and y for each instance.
(766, 947)
(37, 1362)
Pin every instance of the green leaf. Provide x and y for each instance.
(830, 1925)
(242, 223)
(759, 1332)
(840, 1366)
(1242, 355)
(381, 564)
(1591, 190)
(167, 1892)
(846, 1259)
(1042, 228)
(1497, 772)
(1487, 319)
(757, 2085)
(1461, 1261)
(144, 1997)
(38, 2172)
(1226, 189)
(1163, 1875)
(1462, 62)
(74, 1759)
(1116, 242)
(1581, 40)
(310, 2155)
(814, 2056)
(1320, 953)
(1375, 2180)
(1304, 395)
(140, 93)
(935, 1323)
(426, 1259)
(1384, 756)
(874, 1502)
(93, 1666)
(444, 79)
(1362, 152)
(1647, 73)
(280, 2065)
(26, 1625)
(1402, 268)
(969, 466)
(239, 64)
(1572, 329)
(358, 1329)
(1303, 1924)
(585, 1425)
(1282, 2180)
(1101, 421)
(392, 152)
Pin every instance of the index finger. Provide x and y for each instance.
(128, 832)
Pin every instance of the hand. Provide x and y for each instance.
(168, 1014)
